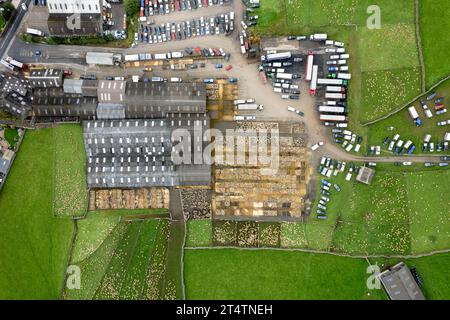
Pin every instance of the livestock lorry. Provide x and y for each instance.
(332, 118)
(276, 56)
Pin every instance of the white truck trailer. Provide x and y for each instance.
(328, 109)
(309, 67)
(318, 37)
(250, 107)
(276, 56)
(335, 96)
(335, 89)
(334, 82)
(286, 76)
(345, 76)
(35, 32)
(313, 84)
(332, 118)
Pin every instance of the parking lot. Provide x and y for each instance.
(162, 31)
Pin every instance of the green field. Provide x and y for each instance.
(384, 62)
(70, 197)
(434, 27)
(12, 136)
(199, 233)
(124, 258)
(35, 245)
(268, 274)
(403, 124)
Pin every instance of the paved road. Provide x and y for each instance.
(250, 86)
(12, 28)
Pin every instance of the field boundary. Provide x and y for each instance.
(365, 124)
(420, 255)
(419, 45)
(69, 258)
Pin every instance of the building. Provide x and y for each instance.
(6, 158)
(74, 6)
(365, 175)
(138, 153)
(63, 25)
(45, 78)
(102, 58)
(157, 99)
(73, 86)
(400, 284)
(111, 91)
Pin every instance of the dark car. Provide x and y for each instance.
(294, 97)
(445, 158)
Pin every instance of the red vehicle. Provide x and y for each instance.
(178, 5)
(439, 107)
(205, 3)
(246, 45)
(229, 67)
(67, 73)
(198, 50)
(142, 11)
(217, 52)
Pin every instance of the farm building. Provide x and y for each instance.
(6, 159)
(400, 284)
(46, 78)
(138, 153)
(152, 100)
(73, 86)
(111, 91)
(365, 175)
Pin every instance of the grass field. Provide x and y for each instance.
(267, 274)
(12, 136)
(70, 197)
(199, 233)
(385, 62)
(35, 245)
(403, 124)
(124, 258)
(434, 26)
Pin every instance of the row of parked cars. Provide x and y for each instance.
(203, 26)
(155, 7)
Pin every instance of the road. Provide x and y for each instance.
(10, 32)
(250, 86)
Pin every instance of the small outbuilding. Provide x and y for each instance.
(365, 175)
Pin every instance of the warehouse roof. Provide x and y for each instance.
(138, 153)
(111, 91)
(90, 24)
(400, 284)
(73, 86)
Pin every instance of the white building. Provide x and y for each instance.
(74, 6)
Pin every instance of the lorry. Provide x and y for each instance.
(330, 109)
(15, 63)
(160, 56)
(309, 67)
(276, 56)
(318, 37)
(250, 107)
(287, 76)
(332, 118)
(335, 96)
(336, 82)
(415, 116)
(335, 89)
(131, 57)
(313, 84)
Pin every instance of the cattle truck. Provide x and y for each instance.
(249, 107)
(313, 84)
(335, 89)
(415, 116)
(276, 56)
(345, 76)
(328, 109)
(318, 37)
(309, 67)
(286, 76)
(333, 82)
(35, 32)
(335, 96)
(332, 118)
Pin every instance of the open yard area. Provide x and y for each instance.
(384, 62)
(35, 245)
(70, 196)
(123, 256)
(269, 274)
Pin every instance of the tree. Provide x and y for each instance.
(8, 8)
(132, 7)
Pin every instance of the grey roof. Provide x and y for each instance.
(144, 100)
(138, 153)
(111, 91)
(365, 175)
(400, 284)
(12, 83)
(43, 78)
(73, 86)
(90, 24)
(89, 88)
(110, 111)
(16, 104)
(65, 106)
(5, 165)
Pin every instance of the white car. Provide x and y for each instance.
(24, 7)
(407, 163)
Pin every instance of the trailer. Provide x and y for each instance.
(249, 107)
(335, 89)
(309, 67)
(332, 118)
(345, 76)
(413, 112)
(7, 65)
(336, 82)
(328, 109)
(160, 56)
(35, 32)
(131, 57)
(313, 84)
(318, 37)
(16, 63)
(276, 56)
(286, 76)
(335, 96)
